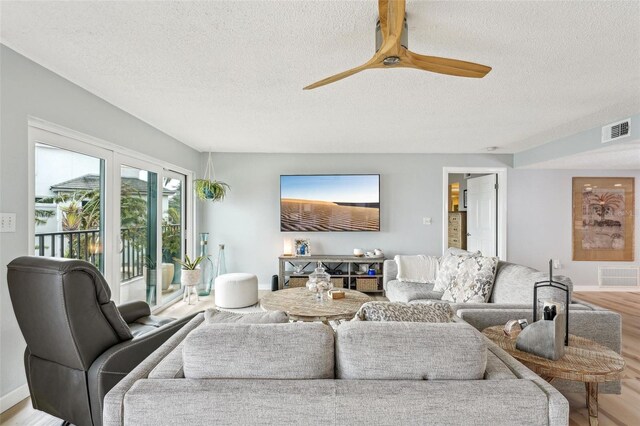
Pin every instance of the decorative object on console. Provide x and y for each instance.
(325, 203)
(208, 188)
(603, 218)
(560, 308)
(358, 252)
(302, 246)
(467, 279)
(287, 249)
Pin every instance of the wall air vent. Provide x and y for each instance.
(615, 131)
(617, 276)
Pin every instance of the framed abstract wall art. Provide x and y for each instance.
(603, 218)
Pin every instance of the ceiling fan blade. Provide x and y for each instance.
(444, 65)
(372, 63)
(391, 14)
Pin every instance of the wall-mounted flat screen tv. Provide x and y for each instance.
(326, 203)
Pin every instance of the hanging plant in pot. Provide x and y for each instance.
(190, 274)
(208, 188)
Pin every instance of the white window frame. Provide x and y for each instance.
(55, 135)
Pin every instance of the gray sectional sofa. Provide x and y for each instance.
(512, 298)
(304, 373)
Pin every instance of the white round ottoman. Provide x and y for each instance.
(236, 290)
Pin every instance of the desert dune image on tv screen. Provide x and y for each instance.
(323, 203)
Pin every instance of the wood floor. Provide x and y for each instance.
(614, 409)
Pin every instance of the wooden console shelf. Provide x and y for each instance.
(348, 265)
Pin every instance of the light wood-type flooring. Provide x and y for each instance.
(614, 409)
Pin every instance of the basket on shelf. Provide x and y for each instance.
(298, 282)
(337, 282)
(367, 284)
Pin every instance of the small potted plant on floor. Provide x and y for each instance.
(190, 273)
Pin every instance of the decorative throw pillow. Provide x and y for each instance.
(469, 279)
(212, 316)
(398, 311)
(448, 266)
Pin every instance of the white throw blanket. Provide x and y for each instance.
(417, 269)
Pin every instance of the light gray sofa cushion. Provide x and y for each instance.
(514, 284)
(212, 316)
(398, 291)
(409, 350)
(259, 351)
(400, 311)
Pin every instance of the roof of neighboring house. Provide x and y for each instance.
(91, 181)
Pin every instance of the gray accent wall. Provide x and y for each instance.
(248, 221)
(539, 209)
(28, 89)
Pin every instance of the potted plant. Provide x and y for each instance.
(208, 188)
(190, 273)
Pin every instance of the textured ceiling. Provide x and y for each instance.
(228, 75)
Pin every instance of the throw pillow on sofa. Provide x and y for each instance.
(445, 271)
(399, 311)
(212, 316)
(467, 279)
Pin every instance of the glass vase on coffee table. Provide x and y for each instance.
(319, 283)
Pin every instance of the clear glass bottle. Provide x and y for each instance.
(221, 267)
(206, 267)
(319, 283)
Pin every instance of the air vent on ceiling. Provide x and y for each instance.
(615, 131)
(616, 276)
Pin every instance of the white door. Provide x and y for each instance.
(482, 214)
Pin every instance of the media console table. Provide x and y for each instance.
(351, 268)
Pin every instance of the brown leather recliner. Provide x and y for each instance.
(79, 343)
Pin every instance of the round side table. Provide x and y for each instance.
(584, 361)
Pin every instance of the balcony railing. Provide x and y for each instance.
(86, 245)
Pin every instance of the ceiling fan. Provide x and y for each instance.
(391, 50)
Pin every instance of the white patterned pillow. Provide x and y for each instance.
(469, 279)
(449, 265)
(407, 312)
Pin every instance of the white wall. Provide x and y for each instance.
(539, 221)
(31, 90)
(248, 221)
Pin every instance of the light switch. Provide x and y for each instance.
(426, 221)
(556, 264)
(7, 222)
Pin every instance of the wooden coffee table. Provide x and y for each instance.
(584, 361)
(301, 305)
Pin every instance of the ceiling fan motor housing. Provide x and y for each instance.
(404, 38)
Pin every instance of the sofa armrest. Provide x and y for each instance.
(390, 272)
(131, 311)
(119, 360)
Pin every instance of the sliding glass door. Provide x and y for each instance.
(152, 235)
(126, 215)
(173, 234)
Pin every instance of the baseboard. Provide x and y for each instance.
(604, 289)
(12, 398)
(264, 286)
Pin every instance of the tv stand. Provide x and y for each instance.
(351, 275)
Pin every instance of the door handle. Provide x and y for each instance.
(468, 234)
